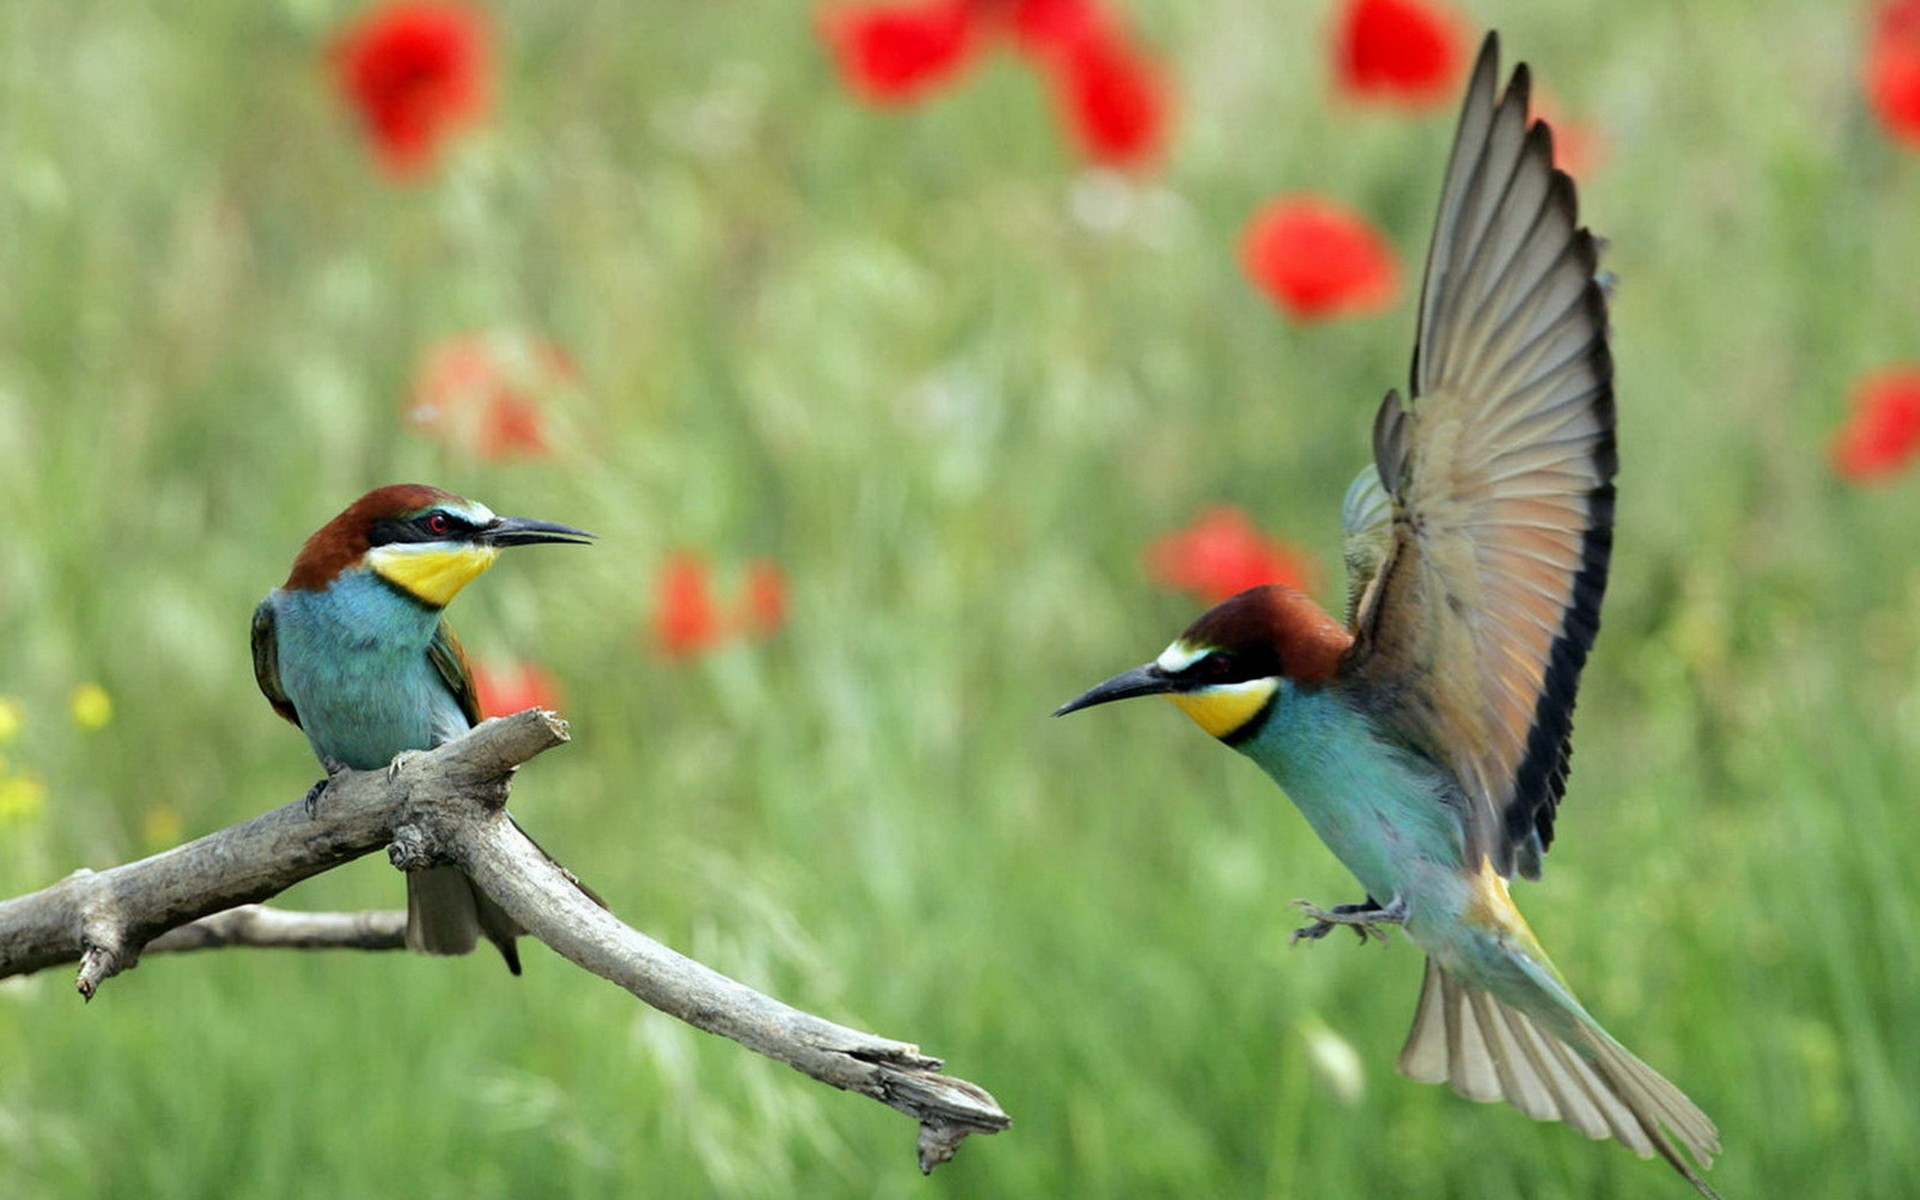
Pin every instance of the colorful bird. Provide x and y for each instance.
(352, 649)
(1426, 738)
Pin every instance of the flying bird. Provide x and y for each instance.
(353, 650)
(1426, 738)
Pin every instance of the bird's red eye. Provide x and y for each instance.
(1215, 667)
(438, 523)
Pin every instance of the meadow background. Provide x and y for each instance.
(952, 383)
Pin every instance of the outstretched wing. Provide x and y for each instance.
(1471, 633)
(266, 661)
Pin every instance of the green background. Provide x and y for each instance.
(882, 349)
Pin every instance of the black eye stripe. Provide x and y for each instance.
(421, 528)
(1219, 667)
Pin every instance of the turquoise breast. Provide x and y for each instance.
(353, 660)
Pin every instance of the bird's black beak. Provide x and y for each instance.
(1149, 680)
(525, 531)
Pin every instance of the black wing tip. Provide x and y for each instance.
(510, 952)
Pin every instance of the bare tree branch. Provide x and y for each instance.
(442, 806)
(276, 928)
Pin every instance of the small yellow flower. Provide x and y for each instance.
(92, 707)
(21, 797)
(13, 715)
(161, 826)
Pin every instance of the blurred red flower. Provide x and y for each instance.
(1891, 73)
(764, 608)
(1045, 28)
(896, 53)
(1315, 259)
(688, 619)
(1222, 554)
(486, 393)
(414, 72)
(1882, 435)
(509, 688)
(1407, 52)
(1110, 98)
(1577, 145)
(685, 621)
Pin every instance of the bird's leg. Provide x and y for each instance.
(333, 766)
(1366, 920)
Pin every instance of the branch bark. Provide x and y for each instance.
(447, 805)
(261, 927)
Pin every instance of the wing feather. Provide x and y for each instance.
(266, 662)
(450, 659)
(1366, 518)
(1476, 593)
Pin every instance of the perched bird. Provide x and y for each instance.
(352, 649)
(1426, 738)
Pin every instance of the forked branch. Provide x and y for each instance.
(447, 805)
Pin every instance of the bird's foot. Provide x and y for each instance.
(400, 762)
(312, 803)
(1366, 920)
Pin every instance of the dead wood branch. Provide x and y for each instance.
(447, 805)
(266, 928)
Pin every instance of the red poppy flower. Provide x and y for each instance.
(1111, 99)
(1891, 73)
(1883, 433)
(1048, 28)
(897, 53)
(685, 619)
(1222, 554)
(1110, 96)
(486, 393)
(1398, 51)
(505, 689)
(414, 72)
(764, 607)
(1315, 259)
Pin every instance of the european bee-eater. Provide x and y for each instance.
(1426, 738)
(353, 649)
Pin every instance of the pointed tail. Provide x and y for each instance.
(1489, 1050)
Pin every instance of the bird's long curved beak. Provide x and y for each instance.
(525, 531)
(1149, 680)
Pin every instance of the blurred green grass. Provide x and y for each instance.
(882, 349)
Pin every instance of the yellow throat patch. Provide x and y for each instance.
(1223, 710)
(431, 574)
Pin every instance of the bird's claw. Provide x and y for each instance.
(333, 767)
(400, 762)
(1366, 920)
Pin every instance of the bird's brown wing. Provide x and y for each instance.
(266, 662)
(451, 661)
(1473, 628)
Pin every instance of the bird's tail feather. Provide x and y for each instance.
(1488, 1050)
(446, 914)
